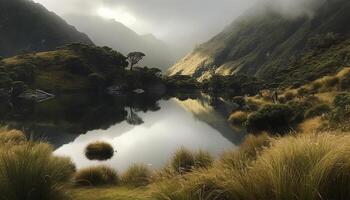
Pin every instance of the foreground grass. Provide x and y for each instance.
(111, 193)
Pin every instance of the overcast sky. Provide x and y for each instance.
(185, 21)
(182, 22)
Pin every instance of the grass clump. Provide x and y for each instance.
(30, 171)
(137, 175)
(307, 166)
(183, 161)
(96, 176)
(238, 118)
(99, 151)
(13, 137)
(203, 159)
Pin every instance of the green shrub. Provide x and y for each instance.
(99, 151)
(137, 176)
(345, 82)
(183, 161)
(342, 100)
(30, 171)
(96, 176)
(203, 159)
(341, 110)
(300, 106)
(317, 110)
(271, 118)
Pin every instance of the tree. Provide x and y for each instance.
(134, 58)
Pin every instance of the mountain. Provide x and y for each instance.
(28, 26)
(276, 47)
(108, 32)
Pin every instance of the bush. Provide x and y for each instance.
(238, 118)
(203, 159)
(317, 110)
(345, 82)
(99, 151)
(274, 117)
(137, 176)
(96, 176)
(30, 171)
(342, 100)
(300, 107)
(341, 111)
(183, 161)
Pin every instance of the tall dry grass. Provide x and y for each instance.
(294, 167)
(30, 171)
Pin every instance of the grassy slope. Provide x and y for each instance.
(275, 48)
(110, 193)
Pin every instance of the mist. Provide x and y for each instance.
(178, 24)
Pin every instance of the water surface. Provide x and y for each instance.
(142, 129)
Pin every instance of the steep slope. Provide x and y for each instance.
(111, 33)
(275, 47)
(28, 26)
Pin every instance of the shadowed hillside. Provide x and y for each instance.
(26, 26)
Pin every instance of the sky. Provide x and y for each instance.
(176, 22)
(173, 21)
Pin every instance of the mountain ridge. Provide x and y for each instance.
(27, 26)
(109, 32)
(276, 48)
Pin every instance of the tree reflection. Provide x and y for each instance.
(133, 118)
(77, 114)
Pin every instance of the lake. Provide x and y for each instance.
(142, 128)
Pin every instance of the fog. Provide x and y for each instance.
(180, 23)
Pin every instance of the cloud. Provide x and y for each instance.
(185, 21)
(181, 22)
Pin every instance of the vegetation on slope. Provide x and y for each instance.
(276, 48)
(75, 67)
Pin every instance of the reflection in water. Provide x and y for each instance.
(142, 129)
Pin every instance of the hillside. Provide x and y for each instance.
(275, 47)
(104, 32)
(26, 26)
(75, 67)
